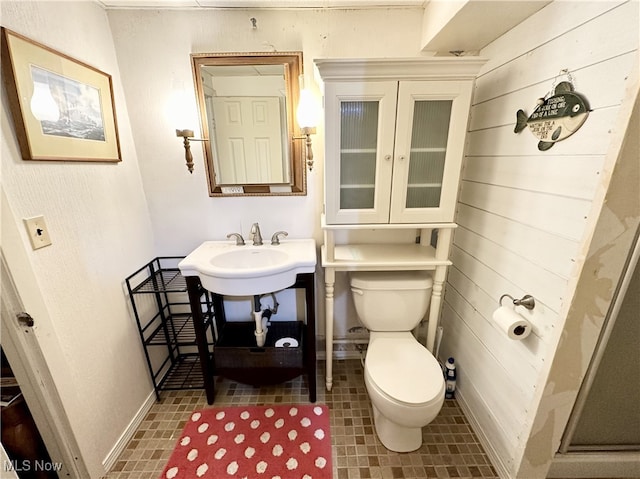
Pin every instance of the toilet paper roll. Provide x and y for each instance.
(287, 343)
(514, 325)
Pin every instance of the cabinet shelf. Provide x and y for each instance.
(424, 185)
(428, 150)
(237, 349)
(237, 358)
(181, 332)
(413, 150)
(382, 226)
(185, 373)
(163, 281)
(382, 256)
(358, 150)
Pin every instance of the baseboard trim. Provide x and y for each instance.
(595, 464)
(495, 459)
(337, 355)
(128, 433)
(342, 349)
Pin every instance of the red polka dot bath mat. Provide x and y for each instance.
(254, 442)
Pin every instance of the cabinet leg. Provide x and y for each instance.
(436, 304)
(330, 279)
(311, 335)
(193, 288)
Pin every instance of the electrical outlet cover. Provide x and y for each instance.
(37, 231)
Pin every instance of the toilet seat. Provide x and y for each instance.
(403, 370)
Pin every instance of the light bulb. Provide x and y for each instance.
(181, 109)
(307, 113)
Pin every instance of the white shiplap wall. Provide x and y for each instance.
(523, 213)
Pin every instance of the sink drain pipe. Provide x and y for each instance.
(261, 317)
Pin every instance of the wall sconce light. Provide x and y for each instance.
(307, 115)
(187, 135)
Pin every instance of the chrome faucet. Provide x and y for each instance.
(239, 238)
(275, 239)
(257, 236)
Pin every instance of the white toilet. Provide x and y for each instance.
(404, 380)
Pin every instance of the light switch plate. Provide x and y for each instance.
(37, 231)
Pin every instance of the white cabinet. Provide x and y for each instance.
(394, 147)
(394, 141)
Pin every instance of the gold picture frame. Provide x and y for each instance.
(62, 108)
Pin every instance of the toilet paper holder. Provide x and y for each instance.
(527, 301)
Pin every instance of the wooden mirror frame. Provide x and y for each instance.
(292, 63)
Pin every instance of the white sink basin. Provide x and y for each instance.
(247, 259)
(225, 268)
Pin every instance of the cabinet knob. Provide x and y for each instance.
(401, 157)
(387, 157)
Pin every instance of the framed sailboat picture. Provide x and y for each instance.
(62, 108)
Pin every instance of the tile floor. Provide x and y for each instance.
(450, 448)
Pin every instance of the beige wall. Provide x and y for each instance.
(99, 223)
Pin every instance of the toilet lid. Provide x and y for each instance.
(404, 369)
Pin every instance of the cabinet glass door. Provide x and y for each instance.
(429, 135)
(428, 151)
(358, 148)
(360, 129)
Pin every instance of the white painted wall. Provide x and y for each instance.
(153, 53)
(523, 214)
(99, 223)
(153, 48)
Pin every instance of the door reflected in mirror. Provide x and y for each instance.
(247, 112)
(247, 104)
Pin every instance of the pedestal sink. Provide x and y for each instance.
(228, 269)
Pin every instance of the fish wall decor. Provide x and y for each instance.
(556, 117)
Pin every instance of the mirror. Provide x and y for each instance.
(247, 104)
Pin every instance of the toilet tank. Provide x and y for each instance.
(391, 300)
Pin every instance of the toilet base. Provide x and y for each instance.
(394, 437)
